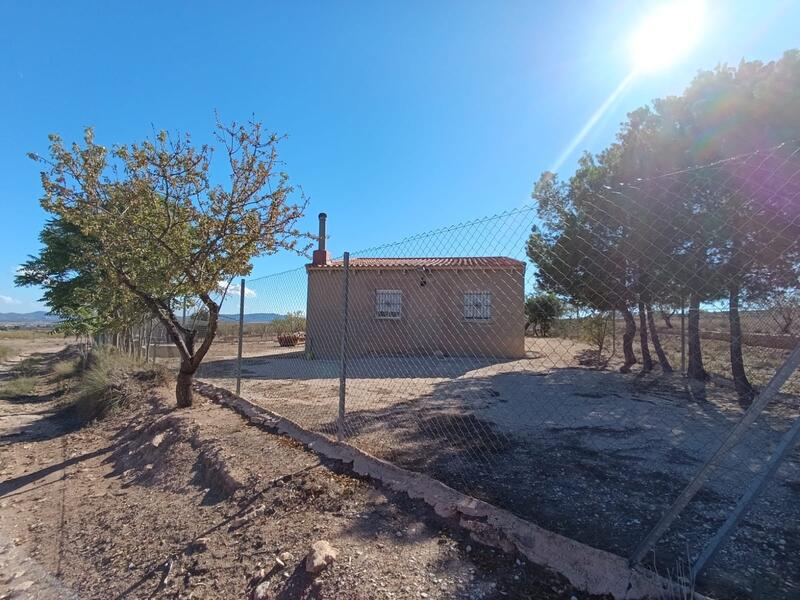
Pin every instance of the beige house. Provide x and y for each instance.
(446, 306)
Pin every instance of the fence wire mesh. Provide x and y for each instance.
(576, 361)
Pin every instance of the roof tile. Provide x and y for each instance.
(441, 262)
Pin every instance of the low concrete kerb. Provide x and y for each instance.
(587, 568)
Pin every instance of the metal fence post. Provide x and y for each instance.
(241, 336)
(734, 436)
(340, 432)
(683, 337)
(613, 333)
(785, 446)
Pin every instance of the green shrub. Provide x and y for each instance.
(542, 310)
(595, 330)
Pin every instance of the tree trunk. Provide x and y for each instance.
(149, 337)
(647, 360)
(627, 340)
(662, 356)
(743, 387)
(183, 388)
(694, 369)
(667, 318)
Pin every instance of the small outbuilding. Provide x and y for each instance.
(410, 306)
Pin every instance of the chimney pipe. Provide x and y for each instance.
(322, 230)
(320, 256)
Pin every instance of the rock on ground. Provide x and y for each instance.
(321, 555)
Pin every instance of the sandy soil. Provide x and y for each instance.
(590, 453)
(153, 502)
(22, 343)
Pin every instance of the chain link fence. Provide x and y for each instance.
(616, 363)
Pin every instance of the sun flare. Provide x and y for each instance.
(667, 34)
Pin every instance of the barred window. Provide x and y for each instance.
(388, 304)
(477, 306)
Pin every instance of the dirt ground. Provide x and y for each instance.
(155, 502)
(24, 342)
(592, 454)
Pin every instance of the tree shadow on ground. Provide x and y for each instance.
(297, 367)
(594, 455)
(54, 423)
(9, 486)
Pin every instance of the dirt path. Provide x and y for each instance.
(21, 424)
(152, 502)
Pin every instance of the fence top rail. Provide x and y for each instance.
(376, 252)
(721, 162)
(793, 146)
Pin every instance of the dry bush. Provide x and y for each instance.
(30, 367)
(113, 380)
(65, 369)
(595, 329)
(5, 352)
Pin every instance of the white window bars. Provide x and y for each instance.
(388, 304)
(477, 306)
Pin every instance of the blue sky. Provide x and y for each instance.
(401, 116)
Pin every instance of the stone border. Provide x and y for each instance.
(587, 568)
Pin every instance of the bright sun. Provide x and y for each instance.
(667, 34)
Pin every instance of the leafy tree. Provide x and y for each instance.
(741, 224)
(581, 250)
(762, 228)
(163, 229)
(75, 288)
(292, 322)
(542, 310)
(729, 230)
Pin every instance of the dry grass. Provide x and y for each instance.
(64, 369)
(32, 333)
(761, 363)
(18, 387)
(29, 367)
(113, 381)
(5, 352)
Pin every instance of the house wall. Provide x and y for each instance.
(432, 318)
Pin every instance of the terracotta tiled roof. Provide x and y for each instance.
(440, 262)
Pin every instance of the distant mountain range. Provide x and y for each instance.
(45, 318)
(30, 318)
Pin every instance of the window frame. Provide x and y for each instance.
(391, 317)
(487, 308)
